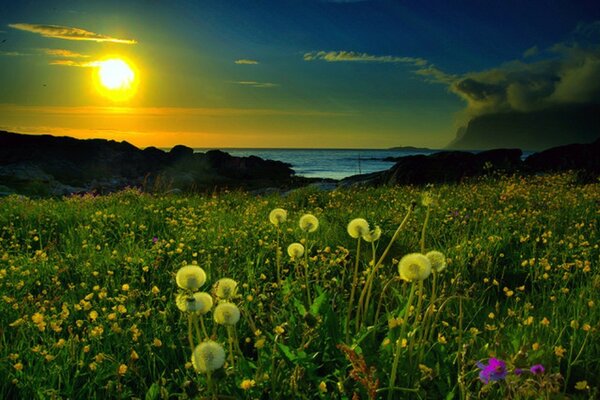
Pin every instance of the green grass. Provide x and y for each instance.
(522, 284)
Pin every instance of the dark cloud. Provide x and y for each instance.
(566, 73)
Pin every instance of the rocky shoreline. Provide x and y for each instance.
(454, 166)
(45, 165)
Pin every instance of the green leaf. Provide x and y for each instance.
(299, 306)
(153, 392)
(287, 352)
(317, 303)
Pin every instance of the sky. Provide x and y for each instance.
(298, 74)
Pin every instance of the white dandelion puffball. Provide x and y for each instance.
(373, 235)
(278, 216)
(226, 288)
(309, 223)
(295, 250)
(358, 227)
(437, 259)
(227, 313)
(190, 277)
(414, 267)
(208, 356)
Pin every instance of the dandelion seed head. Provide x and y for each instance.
(414, 267)
(437, 259)
(373, 235)
(309, 223)
(226, 288)
(295, 250)
(200, 302)
(277, 216)
(358, 227)
(227, 313)
(190, 277)
(208, 356)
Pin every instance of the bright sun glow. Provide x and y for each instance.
(117, 79)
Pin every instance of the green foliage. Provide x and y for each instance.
(87, 294)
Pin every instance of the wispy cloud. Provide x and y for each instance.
(68, 33)
(351, 56)
(13, 53)
(63, 53)
(245, 61)
(531, 52)
(73, 63)
(257, 84)
(423, 67)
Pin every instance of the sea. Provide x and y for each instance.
(328, 163)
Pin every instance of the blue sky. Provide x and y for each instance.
(315, 73)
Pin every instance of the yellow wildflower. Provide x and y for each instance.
(247, 384)
(323, 387)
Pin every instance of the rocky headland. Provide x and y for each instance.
(454, 166)
(45, 165)
(50, 165)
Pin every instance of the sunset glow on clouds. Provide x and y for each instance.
(291, 74)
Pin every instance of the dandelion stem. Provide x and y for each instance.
(352, 291)
(211, 385)
(278, 258)
(381, 299)
(203, 327)
(417, 320)
(406, 316)
(230, 340)
(363, 302)
(427, 331)
(394, 237)
(190, 332)
(306, 269)
(423, 231)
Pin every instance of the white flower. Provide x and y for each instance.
(295, 250)
(208, 356)
(437, 259)
(227, 314)
(373, 235)
(358, 227)
(277, 216)
(199, 302)
(414, 267)
(190, 277)
(225, 288)
(309, 223)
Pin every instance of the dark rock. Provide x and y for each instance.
(180, 151)
(450, 166)
(45, 164)
(570, 157)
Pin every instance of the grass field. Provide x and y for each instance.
(88, 294)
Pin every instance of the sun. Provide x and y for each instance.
(116, 79)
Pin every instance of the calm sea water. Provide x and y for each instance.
(327, 163)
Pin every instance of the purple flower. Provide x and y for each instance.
(518, 371)
(154, 239)
(537, 369)
(495, 370)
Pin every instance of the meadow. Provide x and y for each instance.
(92, 304)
